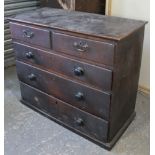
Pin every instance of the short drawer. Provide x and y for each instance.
(76, 119)
(73, 69)
(89, 99)
(33, 35)
(97, 51)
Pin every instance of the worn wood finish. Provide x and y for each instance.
(125, 80)
(101, 52)
(106, 53)
(89, 125)
(94, 101)
(106, 145)
(36, 36)
(65, 66)
(107, 27)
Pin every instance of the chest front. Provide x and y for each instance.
(82, 78)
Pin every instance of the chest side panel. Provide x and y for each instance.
(125, 80)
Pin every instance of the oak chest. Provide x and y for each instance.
(79, 69)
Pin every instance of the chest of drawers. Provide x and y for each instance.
(81, 70)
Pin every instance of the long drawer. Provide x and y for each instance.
(29, 34)
(90, 74)
(96, 51)
(78, 120)
(89, 99)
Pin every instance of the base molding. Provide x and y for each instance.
(107, 146)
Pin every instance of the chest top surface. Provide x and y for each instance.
(109, 27)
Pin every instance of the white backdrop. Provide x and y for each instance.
(137, 9)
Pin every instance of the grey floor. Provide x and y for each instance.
(29, 133)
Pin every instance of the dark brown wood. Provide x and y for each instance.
(101, 52)
(106, 145)
(107, 27)
(30, 34)
(90, 70)
(95, 6)
(65, 66)
(63, 4)
(94, 101)
(125, 80)
(91, 125)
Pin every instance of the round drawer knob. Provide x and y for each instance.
(80, 122)
(29, 55)
(79, 96)
(32, 77)
(78, 71)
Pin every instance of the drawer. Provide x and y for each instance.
(74, 69)
(97, 51)
(89, 99)
(76, 119)
(33, 35)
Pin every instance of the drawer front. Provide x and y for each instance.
(69, 67)
(100, 52)
(71, 116)
(91, 100)
(30, 34)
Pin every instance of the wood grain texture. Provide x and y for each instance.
(96, 51)
(106, 145)
(94, 101)
(109, 27)
(125, 80)
(108, 49)
(39, 36)
(66, 66)
(92, 126)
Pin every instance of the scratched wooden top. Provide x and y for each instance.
(92, 24)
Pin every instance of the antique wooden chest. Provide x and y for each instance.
(79, 69)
